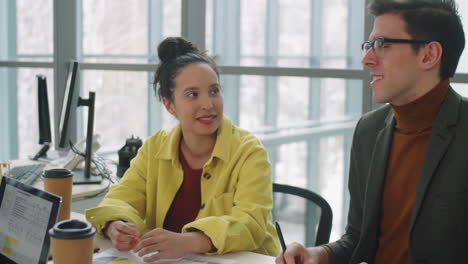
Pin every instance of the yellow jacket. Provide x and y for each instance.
(236, 191)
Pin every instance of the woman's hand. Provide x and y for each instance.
(124, 236)
(171, 245)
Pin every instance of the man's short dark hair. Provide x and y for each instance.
(432, 20)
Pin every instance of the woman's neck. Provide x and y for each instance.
(197, 150)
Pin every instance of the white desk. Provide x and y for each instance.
(243, 257)
(84, 196)
(78, 190)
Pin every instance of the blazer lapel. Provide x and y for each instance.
(439, 140)
(375, 182)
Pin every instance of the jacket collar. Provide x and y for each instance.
(439, 140)
(170, 148)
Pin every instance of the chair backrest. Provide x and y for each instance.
(321, 231)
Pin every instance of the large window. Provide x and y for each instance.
(285, 33)
(290, 72)
(129, 34)
(463, 11)
(120, 107)
(305, 123)
(34, 35)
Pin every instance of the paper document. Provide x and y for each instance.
(113, 256)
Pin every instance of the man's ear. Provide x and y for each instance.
(431, 55)
(168, 105)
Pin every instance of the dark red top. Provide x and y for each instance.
(186, 203)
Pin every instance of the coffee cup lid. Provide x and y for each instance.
(72, 229)
(57, 173)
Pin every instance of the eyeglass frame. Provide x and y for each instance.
(384, 40)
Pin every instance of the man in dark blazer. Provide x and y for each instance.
(408, 177)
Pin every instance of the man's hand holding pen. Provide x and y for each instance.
(295, 253)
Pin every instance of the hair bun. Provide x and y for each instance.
(173, 47)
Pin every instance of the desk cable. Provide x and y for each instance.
(100, 164)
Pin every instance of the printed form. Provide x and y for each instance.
(113, 256)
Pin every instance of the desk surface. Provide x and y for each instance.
(243, 257)
(78, 190)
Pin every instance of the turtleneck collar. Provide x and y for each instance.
(418, 116)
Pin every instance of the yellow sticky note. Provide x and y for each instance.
(8, 251)
(121, 261)
(12, 241)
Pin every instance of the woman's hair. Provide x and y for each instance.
(174, 54)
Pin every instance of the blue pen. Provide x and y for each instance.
(280, 236)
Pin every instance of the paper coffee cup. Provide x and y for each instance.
(59, 182)
(72, 242)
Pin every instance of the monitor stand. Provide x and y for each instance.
(85, 177)
(42, 153)
(79, 178)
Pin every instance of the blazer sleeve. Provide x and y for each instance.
(344, 247)
(126, 200)
(248, 226)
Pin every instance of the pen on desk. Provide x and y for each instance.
(280, 236)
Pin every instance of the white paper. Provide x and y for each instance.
(113, 256)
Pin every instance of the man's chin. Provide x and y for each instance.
(378, 99)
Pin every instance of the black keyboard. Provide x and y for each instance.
(27, 173)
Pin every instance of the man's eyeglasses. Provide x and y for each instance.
(378, 44)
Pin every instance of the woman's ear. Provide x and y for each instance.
(169, 106)
(432, 55)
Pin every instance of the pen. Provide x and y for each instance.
(280, 236)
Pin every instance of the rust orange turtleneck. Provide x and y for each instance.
(413, 127)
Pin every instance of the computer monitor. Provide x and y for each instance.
(45, 134)
(70, 103)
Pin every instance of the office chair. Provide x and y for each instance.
(317, 232)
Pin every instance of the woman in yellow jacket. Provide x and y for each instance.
(204, 187)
